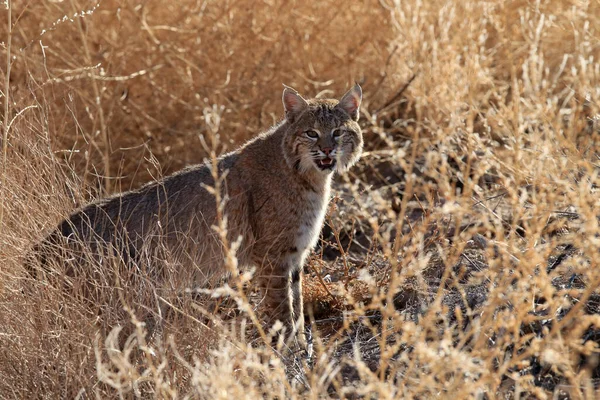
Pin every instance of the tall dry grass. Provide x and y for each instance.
(460, 257)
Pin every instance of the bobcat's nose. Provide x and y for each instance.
(327, 150)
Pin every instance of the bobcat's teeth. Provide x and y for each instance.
(326, 161)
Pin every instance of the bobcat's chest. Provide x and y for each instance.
(311, 217)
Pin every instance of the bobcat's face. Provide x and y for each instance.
(324, 134)
(326, 139)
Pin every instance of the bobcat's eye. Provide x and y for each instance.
(311, 134)
(337, 133)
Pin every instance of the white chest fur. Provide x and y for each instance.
(311, 219)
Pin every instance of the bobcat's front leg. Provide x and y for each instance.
(298, 304)
(282, 287)
(276, 286)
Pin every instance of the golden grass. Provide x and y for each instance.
(462, 252)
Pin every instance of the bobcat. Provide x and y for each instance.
(277, 187)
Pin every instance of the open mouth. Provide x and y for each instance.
(326, 163)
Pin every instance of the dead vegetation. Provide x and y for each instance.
(460, 258)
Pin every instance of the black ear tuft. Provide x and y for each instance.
(350, 102)
(293, 104)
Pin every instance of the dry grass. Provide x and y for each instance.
(460, 258)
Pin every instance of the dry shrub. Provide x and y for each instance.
(460, 260)
(137, 76)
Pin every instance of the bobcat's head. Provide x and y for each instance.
(322, 135)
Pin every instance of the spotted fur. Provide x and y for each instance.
(277, 186)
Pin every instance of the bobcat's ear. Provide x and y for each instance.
(350, 102)
(293, 104)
